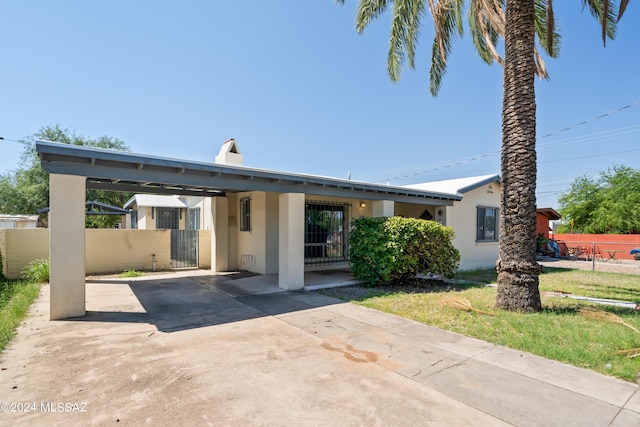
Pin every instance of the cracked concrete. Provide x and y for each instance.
(205, 351)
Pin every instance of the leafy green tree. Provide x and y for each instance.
(609, 204)
(26, 189)
(519, 23)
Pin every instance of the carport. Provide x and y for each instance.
(73, 169)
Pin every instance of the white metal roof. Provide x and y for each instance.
(156, 201)
(456, 186)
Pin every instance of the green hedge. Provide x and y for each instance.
(393, 249)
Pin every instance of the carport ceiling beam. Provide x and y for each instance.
(134, 188)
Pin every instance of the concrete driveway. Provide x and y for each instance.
(206, 349)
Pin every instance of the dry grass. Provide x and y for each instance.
(605, 316)
(461, 303)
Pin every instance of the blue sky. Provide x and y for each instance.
(301, 91)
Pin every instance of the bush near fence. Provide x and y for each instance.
(605, 245)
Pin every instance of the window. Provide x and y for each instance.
(167, 218)
(134, 219)
(194, 219)
(325, 237)
(245, 214)
(487, 225)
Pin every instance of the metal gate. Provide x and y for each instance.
(184, 248)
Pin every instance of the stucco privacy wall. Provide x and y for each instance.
(204, 249)
(21, 246)
(107, 250)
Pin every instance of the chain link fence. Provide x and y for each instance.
(596, 256)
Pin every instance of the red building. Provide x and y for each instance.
(543, 216)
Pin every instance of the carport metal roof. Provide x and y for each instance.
(125, 171)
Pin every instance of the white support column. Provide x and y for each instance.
(220, 234)
(291, 241)
(382, 208)
(67, 246)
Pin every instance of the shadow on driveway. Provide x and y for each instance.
(181, 303)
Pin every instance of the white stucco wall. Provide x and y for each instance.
(272, 233)
(462, 216)
(232, 242)
(144, 219)
(252, 248)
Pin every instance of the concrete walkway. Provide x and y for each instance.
(196, 349)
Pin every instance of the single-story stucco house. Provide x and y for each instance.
(473, 216)
(263, 221)
(154, 211)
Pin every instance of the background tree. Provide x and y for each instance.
(609, 204)
(519, 23)
(26, 189)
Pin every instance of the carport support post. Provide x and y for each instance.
(66, 246)
(291, 241)
(220, 234)
(382, 208)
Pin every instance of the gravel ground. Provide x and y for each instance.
(614, 266)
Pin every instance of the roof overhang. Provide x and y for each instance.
(124, 171)
(550, 213)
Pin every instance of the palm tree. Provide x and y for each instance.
(519, 23)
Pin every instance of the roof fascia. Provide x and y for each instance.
(118, 165)
(488, 180)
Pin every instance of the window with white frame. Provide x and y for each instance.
(245, 214)
(487, 225)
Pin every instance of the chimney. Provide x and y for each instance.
(229, 154)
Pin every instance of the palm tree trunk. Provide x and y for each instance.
(517, 267)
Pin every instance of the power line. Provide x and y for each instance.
(13, 140)
(593, 119)
(591, 156)
(452, 163)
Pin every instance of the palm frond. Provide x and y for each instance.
(605, 14)
(447, 17)
(368, 10)
(622, 8)
(413, 32)
(397, 40)
(546, 29)
(487, 25)
(541, 69)
(550, 26)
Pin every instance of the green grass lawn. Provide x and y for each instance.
(15, 299)
(559, 332)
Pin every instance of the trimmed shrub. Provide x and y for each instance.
(393, 249)
(37, 271)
